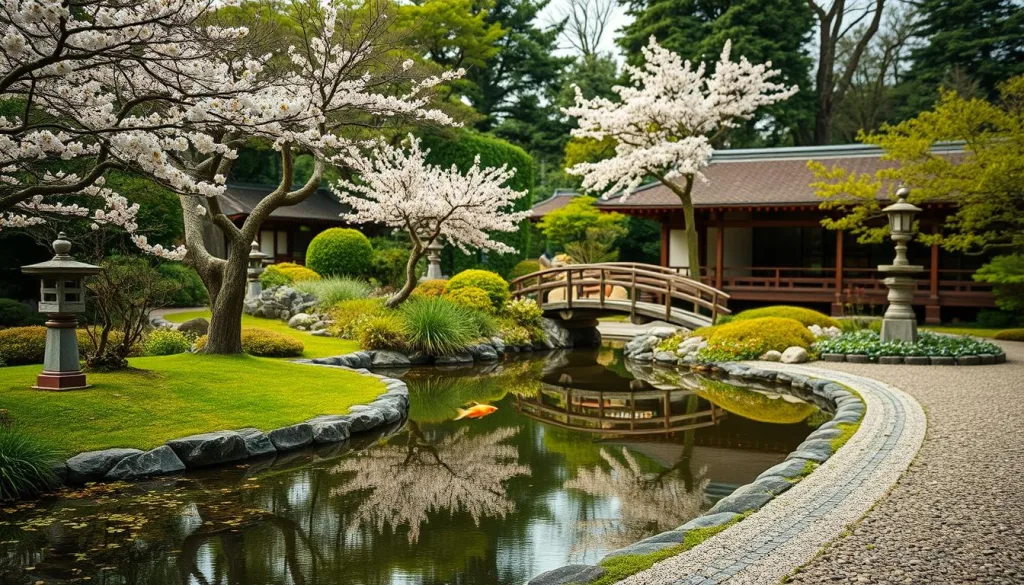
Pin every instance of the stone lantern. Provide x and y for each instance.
(434, 260)
(256, 259)
(900, 322)
(62, 296)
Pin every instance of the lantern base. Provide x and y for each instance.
(61, 381)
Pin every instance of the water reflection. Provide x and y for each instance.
(556, 475)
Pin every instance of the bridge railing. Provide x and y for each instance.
(598, 281)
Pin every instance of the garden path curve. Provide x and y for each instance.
(789, 530)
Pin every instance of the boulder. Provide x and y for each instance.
(814, 450)
(575, 574)
(794, 355)
(740, 503)
(772, 356)
(198, 326)
(389, 359)
(330, 429)
(644, 357)
(665, 357)
(159, 461)
(209, 448)
(709, 520)
(772, 484)
(291, 437)
(454, 360)
(558, 337)
(662, 332)
(257, 443)
(302, 320)
(364, 420)
(640, 548)
(483, 352)
(94, 465)
(498, 344)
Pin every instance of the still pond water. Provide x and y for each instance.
(582, 456)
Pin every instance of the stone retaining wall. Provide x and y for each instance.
(918, 360)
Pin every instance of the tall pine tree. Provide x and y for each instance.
(777, 31)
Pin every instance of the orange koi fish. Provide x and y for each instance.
(476, 411)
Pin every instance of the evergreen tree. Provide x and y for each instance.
(777, 31)
(969, 46)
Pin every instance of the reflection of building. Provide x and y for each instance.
(640, 412)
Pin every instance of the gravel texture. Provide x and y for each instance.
(957, 515)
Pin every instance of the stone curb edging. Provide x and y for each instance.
(816, 449)
(918, 360)
(229, 446)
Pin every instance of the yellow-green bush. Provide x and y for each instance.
(523, 312)
(768, 333)
(381, 331)
(285, 273)
(430, 288)
(22, 345)
(166, 342)
(471, 297)
(801, 314)
(347, 315)
(495, 286)
(340, 252)
(264, 343)
(523, 268)
(513, 334)
(1010, 335)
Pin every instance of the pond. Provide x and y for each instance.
(581, 456)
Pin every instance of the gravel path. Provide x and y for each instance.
(957, 516)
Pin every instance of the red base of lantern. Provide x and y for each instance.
(60, 381)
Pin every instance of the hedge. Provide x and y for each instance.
(1010, 335)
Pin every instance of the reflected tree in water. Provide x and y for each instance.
(459, 473)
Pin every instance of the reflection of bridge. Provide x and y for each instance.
(643, 412)
(587, 291)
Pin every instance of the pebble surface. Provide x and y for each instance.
(957, 515)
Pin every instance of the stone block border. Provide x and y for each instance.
(982, 359)
(229, 446)
(797, 513)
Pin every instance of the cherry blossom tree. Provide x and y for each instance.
(666, 121)
(399, 189)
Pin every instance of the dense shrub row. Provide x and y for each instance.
(867, 342)
(264, 343)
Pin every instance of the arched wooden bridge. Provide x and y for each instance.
(642, 291)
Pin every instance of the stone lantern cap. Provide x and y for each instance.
(62, 264)
(901, 205)
(255, 253)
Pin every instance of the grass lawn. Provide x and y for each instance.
(963, 330)
(315, 346)
(168, 397)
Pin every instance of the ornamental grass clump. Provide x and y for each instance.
(438, 326)
(801, 314)
(25, 465)
(382, 331)
(335, 289)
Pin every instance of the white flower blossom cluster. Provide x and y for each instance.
(664, 119)
(398, 188)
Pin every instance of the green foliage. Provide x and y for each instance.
(471, 297)
(264, 343)
(642, 242)
(25, 465)
(513, 333)
(388, 266)
(801, 314)
(23, 345)
(455, 33)
(273, 276)
(754, 405)
(334, 289)
(867, 342)
(286, 274)
(191, 291)
(523, 312)
(460, 148)
(430, 288)
(347, 315)
(727, 350)
(438, 326)
(575, 222)
(485, 324)
(523, 268)
(762, 334)
(15, 314)
(1007, 274)
(381, 331)
(495, 286)
(340, 252)
(989, 319)
(1010, 335)
(165, 342)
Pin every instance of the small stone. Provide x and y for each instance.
(771, 356)
(159, 461)
(198, 326)
(389, 359)
(795, 355)
(665, 357)
(454, 360)
(291, 437)
(709, 520)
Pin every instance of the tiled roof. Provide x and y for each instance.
(559, 199)
(322, 206)
(762, 176)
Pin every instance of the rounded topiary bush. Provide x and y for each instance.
(801, 314)
(471, 297)
(340, 252)
(166, 342)
(766, 333)
(286, 273)
(264, 343)
(523, 268)
(430, 288)
(1010, 335)
(495, 286)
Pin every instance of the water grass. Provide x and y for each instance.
(25, 465)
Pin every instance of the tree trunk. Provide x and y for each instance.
(225, 335)
(692, 242)
(410, 278)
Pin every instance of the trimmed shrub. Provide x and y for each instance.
(430, 288)
(347, 315)
(166, 342)
(513, 334)
(264, 343)
(989, 319)
(335, 289)
(1010, 335)
(758, 335)
(15, 314)
(273, 276)
(801, 314)
(286, 273)
(25, 465)
(471, 297)
(523, 312)
(494, 285)
(340, 252)
(382, 331)
(23, 345)
(523, 268)
(191, 291)
(438, 326)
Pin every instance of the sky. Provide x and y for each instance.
(557, 7)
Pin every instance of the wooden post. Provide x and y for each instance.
(568, 288)
(601, 293)
(668, 303)
(720, 253)
(632, 293)
(932, 311)
(664, 240)
(837, 304)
